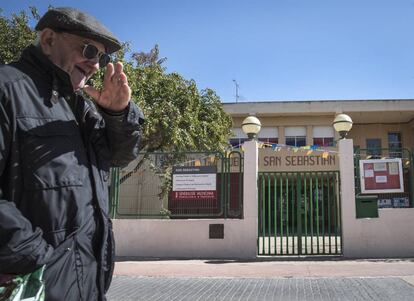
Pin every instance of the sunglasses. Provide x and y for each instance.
(91, 52)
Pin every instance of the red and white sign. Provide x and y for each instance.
(194, 195)
(194, 183)
(381, 176)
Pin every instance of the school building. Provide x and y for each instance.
(377, 124)
(298, 190)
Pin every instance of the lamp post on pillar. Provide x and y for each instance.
(343, 124)
(251, 127)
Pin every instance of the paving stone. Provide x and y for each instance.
(284, 289)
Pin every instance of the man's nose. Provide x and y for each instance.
(93, 63)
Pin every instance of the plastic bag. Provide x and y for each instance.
(28, 287)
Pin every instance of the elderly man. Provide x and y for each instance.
(56, 148)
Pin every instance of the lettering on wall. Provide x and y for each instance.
(298, 160)
(301, 160)
(289, 160)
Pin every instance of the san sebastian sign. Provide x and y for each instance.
(301, 160)
(286, 159)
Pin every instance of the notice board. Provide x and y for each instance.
(381, 175)
(194, 183)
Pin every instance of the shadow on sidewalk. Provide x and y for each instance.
(266, 259)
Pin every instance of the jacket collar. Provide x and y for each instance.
(59, 79)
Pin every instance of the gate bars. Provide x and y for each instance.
(299, 213)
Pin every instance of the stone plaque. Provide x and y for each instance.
(216, 231)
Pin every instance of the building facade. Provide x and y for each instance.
(378, 124)
(295, 200)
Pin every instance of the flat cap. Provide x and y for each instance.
(76, 22)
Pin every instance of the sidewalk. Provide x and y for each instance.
(268, 268)
(281, 279)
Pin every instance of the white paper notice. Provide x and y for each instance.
(393, 168)
(380, 166)
(381, 179)
(194, 182)
(369, 173)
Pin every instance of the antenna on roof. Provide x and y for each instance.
(237, 90)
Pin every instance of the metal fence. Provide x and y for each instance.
(299, 213)
(407, 168)
(144, 188)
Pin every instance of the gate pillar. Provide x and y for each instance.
(346, 165)
(250, 195)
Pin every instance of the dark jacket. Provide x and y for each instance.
(56, 148)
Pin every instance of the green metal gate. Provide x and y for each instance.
(299, 213)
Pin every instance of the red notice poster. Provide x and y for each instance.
(194, 195)
(194, 183)
(381, 175)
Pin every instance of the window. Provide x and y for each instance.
(325, 141)
(238, 138)
(374, 147)
(296, 141)
(395, 145)
(268, 135)
(295, 136)
(236, 142)
(269, 140)
(323, 135)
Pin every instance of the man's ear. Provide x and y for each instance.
(47, 40)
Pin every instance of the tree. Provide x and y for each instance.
(180, 117)
(15, 34)
(144, 59)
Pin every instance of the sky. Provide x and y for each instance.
(275, 50)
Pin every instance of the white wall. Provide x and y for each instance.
(190, 238)
(182, 238)
(389, 235)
